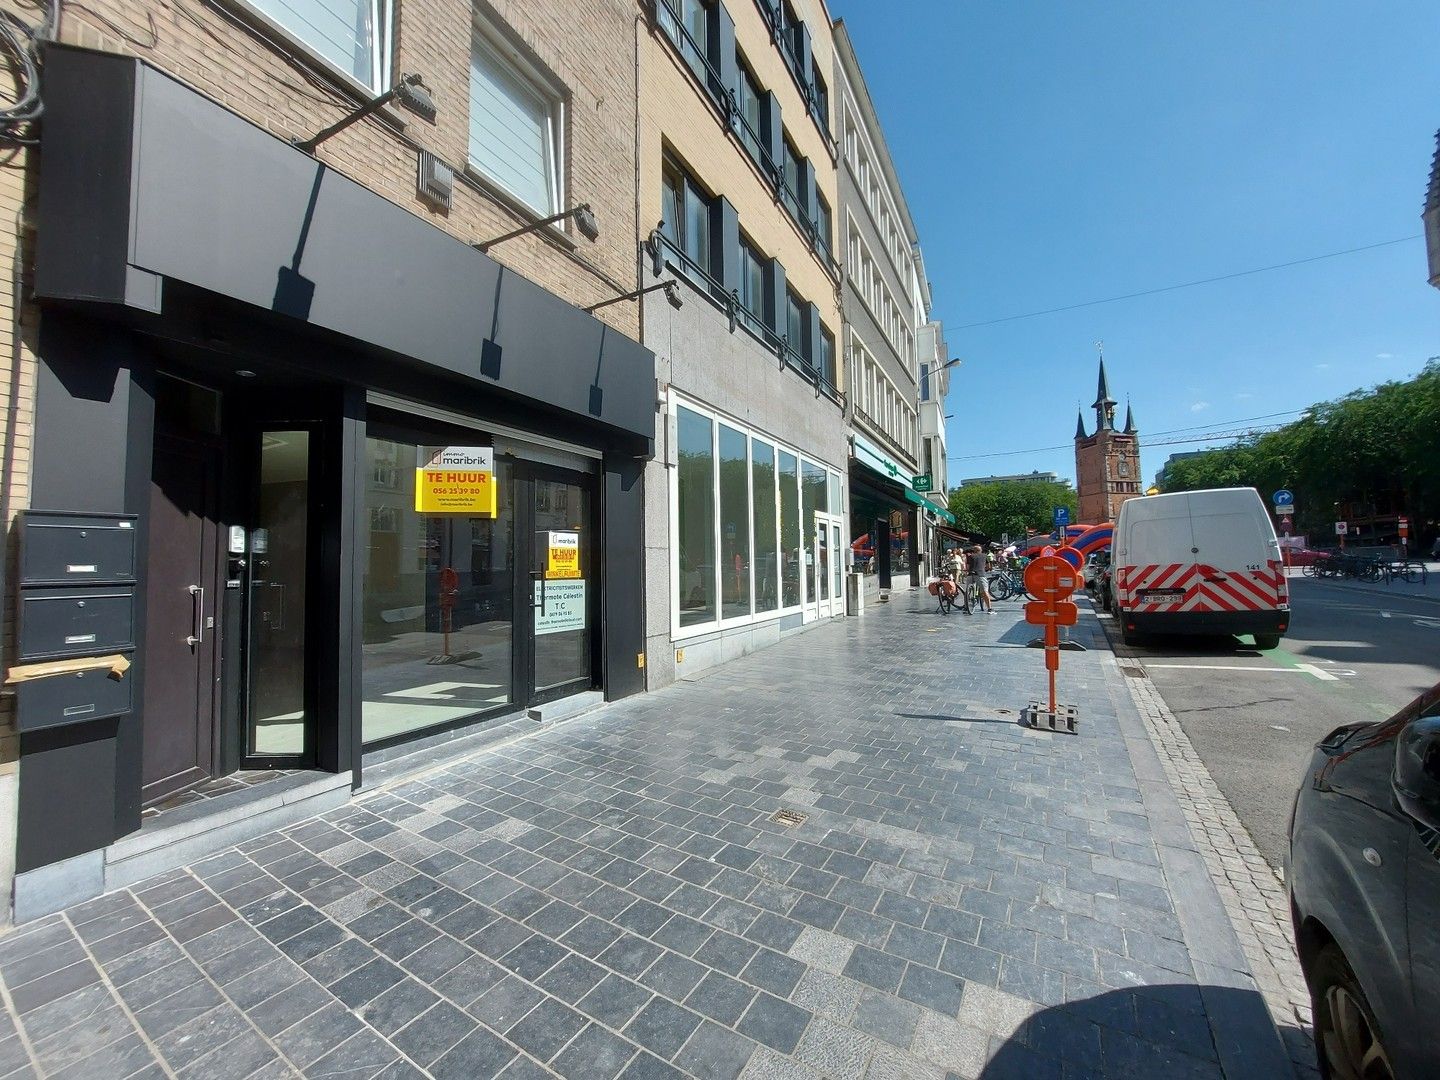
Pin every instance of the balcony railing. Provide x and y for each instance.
(665, 252)
(696, 57)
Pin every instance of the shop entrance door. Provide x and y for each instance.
(557, 571)
(826, 569)
(271, 560)
(181, 590)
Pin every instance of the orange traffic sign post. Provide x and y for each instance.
(1052, 580)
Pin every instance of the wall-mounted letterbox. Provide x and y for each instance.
(56, 623)
(61, 548)
(71, 698)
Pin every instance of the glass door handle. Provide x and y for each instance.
(197, 606)
(539, 576)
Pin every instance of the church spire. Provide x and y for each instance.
(1104, 404)
(1080, 425)
(1130, 428)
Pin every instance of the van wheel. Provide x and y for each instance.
(1266, 642)
(1347, 1039)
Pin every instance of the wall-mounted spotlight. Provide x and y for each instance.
(584, 221)
(410, 92)
(672, 294)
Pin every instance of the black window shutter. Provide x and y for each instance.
(723, 59)
(775, 297)
(774, 134)
(811, 351)
(725, 246)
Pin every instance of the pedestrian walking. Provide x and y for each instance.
(957, 574)
(975, 578)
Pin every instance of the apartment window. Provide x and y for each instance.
(514, 125)
(792, 169)
(827, 356)
(748, 98)
(822, 96)
(795, 323)
(354, 35)
(685, 215)
(924, 382)
(693, 18)
(752, 280)
(823, 224)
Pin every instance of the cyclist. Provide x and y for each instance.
(975, 578)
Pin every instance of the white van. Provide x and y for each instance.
(1199, 562)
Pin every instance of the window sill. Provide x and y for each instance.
(478, 181)
(297, 52)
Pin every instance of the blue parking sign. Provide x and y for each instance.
(1062, 516)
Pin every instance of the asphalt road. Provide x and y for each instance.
(1254, 716)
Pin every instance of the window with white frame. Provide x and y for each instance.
(354, 35)
(744, 528)
(515, 124)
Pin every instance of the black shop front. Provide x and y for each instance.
(331, 482)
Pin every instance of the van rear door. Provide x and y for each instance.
(1157, 561)
(1237, 559)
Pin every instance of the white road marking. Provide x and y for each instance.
(1432, 624)
(1303, 669)
(1278, 727)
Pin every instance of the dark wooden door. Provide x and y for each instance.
(181, 592)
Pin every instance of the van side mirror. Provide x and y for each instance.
(1417, 770)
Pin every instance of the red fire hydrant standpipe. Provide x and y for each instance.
(1052, 579)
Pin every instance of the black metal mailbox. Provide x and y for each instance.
(71, 698)
(60, 548)
(60, 623)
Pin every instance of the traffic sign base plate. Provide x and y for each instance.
(1037, 715)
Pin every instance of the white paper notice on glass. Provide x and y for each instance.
(564, 607)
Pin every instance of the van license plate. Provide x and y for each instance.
(1161, 596)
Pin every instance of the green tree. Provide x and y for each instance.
(1009, 507)
(1372, 448)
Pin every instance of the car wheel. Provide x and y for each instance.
(1347, 1039)
(1266, 642)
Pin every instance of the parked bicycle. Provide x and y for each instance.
(1007, 583)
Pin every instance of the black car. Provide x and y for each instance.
(1364, 877)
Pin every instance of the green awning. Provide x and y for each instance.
(938, 510)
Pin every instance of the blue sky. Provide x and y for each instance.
(1056, 152)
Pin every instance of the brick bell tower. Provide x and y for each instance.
(1107, 463)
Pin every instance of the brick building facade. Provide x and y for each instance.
(1107, 463)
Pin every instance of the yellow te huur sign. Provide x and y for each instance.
(564, 560)
(458, 480)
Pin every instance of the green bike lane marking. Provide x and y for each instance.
(1286, 658)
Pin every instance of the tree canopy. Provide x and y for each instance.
(1009, 506)
(1376, 449)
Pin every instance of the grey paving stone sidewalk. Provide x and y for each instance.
(611, 897)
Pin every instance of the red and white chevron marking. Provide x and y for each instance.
(1204, 587)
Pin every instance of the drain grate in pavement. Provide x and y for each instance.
(790, 818)
(1132, 671)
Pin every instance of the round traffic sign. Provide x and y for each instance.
(1050, 578)
(1284, 497)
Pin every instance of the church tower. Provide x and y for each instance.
(1107, 463)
